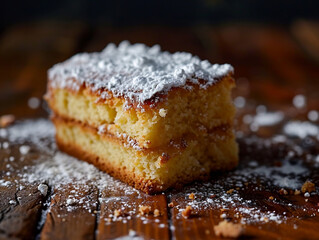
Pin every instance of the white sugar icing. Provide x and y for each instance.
(135, 71)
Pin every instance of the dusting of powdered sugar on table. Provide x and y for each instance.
(52, 166)
(135, 71)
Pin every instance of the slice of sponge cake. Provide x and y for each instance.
(151, 118)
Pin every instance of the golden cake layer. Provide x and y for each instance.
(182, 112)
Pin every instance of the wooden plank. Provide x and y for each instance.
(130, 221)
(20, 211)
(71, 207)
(72, 213)
(21, 203)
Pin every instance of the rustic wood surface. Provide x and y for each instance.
(272, 64)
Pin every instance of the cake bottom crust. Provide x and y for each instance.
(147, 186)
(68, 140)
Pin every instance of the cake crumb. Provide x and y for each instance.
(308, 187)
(297, 192)
(144, 210)
(171, 204)
(207, 232)
(271, 198)
(117, 212)
(162, 112)
(187, 212)
(230, 191)
(283, 191)
(6, 120)
(228, 229)
(191, 196)
(157, 213)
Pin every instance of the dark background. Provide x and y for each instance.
(165, 12)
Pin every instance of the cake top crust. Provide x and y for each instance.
(135, 71)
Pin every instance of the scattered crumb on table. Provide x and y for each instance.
(228, 229)
(187, 212)
(144, 210)
(308, 187)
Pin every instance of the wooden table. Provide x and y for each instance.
(273, 64)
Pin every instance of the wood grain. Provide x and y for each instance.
(21, 203)
(72, 214)
(147, 226)
(200, 224)
(20, 212)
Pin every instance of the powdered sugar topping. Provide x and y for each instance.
(135, 71)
